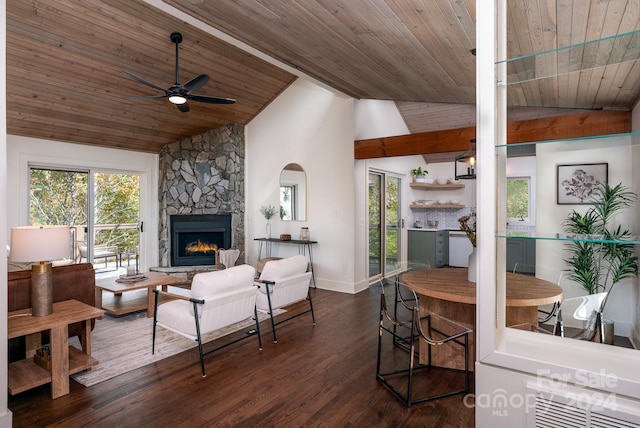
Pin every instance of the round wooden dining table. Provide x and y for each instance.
(448, 293)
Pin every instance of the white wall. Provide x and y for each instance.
(377, 119)
(312, 127)
(23, 151)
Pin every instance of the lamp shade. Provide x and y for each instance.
(39, 243)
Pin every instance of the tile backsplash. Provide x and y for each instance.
(447, 218)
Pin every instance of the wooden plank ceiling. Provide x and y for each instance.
(65, 61)
(65, 80)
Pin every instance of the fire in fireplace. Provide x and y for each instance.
(196, 238)
(200, 247)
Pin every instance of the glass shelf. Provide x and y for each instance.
(568, 237)
(635, 141)
(592, 54)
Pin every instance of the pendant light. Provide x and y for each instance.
(465, 164)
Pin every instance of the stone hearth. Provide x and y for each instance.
(203, 174)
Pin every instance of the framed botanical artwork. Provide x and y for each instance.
(578, 182)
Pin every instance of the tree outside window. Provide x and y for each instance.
(518, 193)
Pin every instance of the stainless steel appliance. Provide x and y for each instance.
(459, 248)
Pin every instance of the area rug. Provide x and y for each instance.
(123, 343)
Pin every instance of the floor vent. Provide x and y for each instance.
(578, 408)
(551, 414)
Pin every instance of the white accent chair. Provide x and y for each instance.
(282, 283)
(217, 299)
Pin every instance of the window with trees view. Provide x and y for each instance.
(518, 194)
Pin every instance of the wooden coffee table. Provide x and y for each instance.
(123, 304)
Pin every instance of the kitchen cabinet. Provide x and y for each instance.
(428, 246)
(523, 252)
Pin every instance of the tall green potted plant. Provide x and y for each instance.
(600, 259)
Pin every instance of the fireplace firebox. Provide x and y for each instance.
(196, 238)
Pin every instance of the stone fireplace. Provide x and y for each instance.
(202, 176)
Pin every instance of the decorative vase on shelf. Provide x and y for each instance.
(268, 231)
(471, 272)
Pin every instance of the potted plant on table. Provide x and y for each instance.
(600, 259)
(268, 212)
(419, 174)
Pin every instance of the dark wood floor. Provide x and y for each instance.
(322, 376)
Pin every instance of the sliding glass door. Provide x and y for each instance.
(385, 224)
(116, 211)
(101, 208)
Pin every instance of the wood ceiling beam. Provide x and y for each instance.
(587, 124)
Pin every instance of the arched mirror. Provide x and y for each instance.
(293, 193)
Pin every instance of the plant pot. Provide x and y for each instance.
(419, 178)
(608, 328)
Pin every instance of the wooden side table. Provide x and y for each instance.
(65, 359)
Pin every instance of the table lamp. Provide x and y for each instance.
(40, 244)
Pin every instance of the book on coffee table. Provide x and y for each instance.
(131, 278)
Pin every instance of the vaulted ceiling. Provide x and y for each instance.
(65, 61)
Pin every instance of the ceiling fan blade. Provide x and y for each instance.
(146, 82)
(183, 107)
(211, 100)
(146, 96)
(196, 83)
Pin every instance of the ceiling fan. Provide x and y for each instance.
(179, 94)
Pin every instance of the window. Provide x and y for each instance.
(288, 196)
(518, 197)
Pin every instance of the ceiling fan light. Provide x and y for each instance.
(177, 99)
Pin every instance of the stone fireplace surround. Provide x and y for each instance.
(203, 174)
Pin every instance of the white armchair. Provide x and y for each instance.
(217, 299)
(282, 283)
